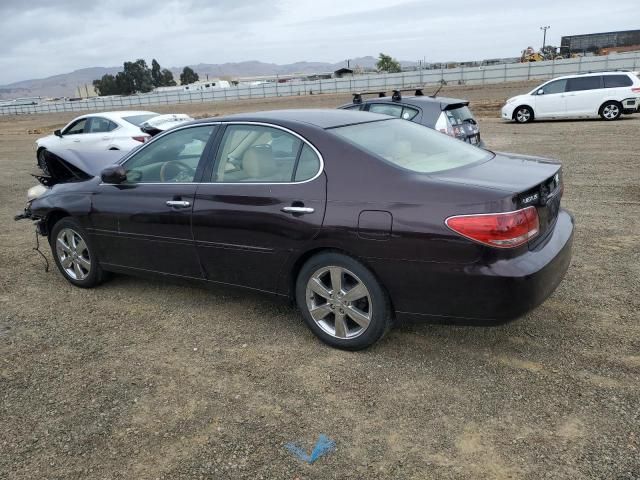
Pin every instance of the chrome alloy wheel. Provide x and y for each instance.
(73, 254)
(523, 115)
(611, 111)
(339, 303)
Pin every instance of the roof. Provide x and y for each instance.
(119, 114)
(323, 118)
(440, 103)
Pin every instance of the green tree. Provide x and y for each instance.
(135, 77)
(161, 77)
(106, 85)
(188, 76)
(386, 63)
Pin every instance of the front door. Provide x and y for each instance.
(550, 100)
(265, 200)
(144, 223)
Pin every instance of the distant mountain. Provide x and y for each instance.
(67, 84)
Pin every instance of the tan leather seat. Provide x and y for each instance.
(258, 163)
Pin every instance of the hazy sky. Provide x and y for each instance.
(39, 38)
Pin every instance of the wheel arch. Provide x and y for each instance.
(609, 100)
(515, 110)
(53, 217)
(294, 270)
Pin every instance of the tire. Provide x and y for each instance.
(41, 160)
(353, 319)
(78, 261)
(523, 114)
(610, 110)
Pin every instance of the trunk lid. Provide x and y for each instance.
(531, 181)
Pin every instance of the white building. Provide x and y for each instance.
(199, 86)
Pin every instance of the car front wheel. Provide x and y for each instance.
(342, 302)
(523, 115)
(74, 255)
(610, 111)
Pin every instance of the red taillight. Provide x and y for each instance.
(635, 89)
(503, 230)
(141, 138)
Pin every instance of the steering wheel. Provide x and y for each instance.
(177, 166)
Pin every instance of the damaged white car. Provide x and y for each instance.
(123, 131)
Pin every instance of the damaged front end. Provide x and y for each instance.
(63, 167)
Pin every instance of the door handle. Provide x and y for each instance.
(105, 138)
(77, 140)
(178, 203)
(299, 210)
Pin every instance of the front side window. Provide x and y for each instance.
(386, 109)
(554, 87)
(411, 146)
(616, 81)
(584, 83)
(76, 127)
(260, 154)
(172, 158)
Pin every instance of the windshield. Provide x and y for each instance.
(457, 116)
(411, 146)
(138, 120)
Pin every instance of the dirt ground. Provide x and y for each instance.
(149, 380)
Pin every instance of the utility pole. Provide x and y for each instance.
(544, 36)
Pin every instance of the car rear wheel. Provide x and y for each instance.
(523, 114)
(74, 255)
(611, 111)
(342, 302)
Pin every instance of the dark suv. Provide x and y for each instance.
(447, 115)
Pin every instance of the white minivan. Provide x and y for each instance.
(587, 95)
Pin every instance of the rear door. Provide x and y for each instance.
(550, 100)
(584, 95)
(262, 199)
(98, 134)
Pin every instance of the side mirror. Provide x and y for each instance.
(540, 92)
(115, 174)
(57, 133)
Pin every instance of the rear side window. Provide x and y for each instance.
(353, 107)
(615, 81)
(101, 125)
(584, 83)
(386, 109)
(409, 113)
(308, 164)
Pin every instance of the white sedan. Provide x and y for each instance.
(98, 131)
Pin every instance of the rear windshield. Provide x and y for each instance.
(457, 116)
(411, 146)
(138, 120)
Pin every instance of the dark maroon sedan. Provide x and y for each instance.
(361, 218)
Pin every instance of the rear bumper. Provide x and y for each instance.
(486, 293)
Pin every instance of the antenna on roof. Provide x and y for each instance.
(396, 97)
(442, 83)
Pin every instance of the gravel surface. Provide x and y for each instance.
(149, 380)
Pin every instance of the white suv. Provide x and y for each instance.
(588, 95)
